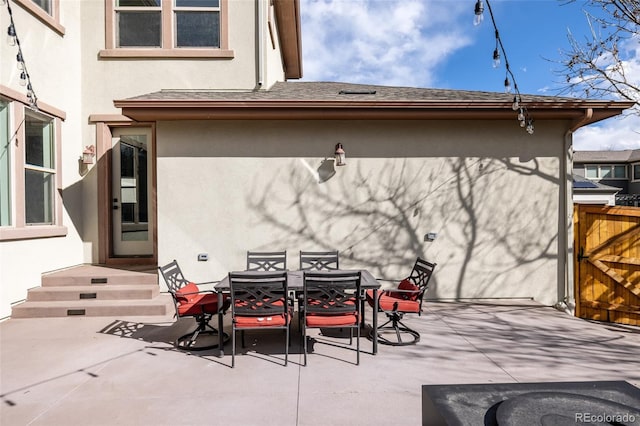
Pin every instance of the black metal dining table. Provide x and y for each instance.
(295, 283)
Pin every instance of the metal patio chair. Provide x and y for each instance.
(259, 301)
(190, 301)
(319, 260)
(406, 298)
(267, 260)
(332, 300)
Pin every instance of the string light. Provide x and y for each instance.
(523, 116)
(13, 40)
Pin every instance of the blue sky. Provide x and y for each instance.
(433, 43)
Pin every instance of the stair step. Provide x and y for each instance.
(93, 275)
(160, 305)
(93, 292)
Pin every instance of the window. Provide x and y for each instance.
(606, 171)
(636, 172)
(5, 166)
(157, 28)
(39, 169)
(45, 5)
(30, 178)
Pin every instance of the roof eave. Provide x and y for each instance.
(151, 110)
(287, 13)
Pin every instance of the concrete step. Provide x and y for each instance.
(93, 274)
(160, 305)
(95, 291)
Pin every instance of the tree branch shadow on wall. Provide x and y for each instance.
(378, 219)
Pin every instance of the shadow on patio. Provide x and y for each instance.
(76, 371)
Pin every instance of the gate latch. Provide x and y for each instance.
(581, 255)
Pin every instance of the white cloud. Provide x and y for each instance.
(388, 42)
(616, 133)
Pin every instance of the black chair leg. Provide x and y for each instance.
(399, 329)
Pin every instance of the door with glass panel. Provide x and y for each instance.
(131, 202)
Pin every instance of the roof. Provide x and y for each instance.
(335, 100)
(624, 156)
(584, 185)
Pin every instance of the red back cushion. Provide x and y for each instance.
(406, 285)
(182, 294)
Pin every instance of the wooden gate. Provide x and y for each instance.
(607, 263)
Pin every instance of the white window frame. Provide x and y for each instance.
(633, 175)
(18, 229)
(601, 167)
(168, 41)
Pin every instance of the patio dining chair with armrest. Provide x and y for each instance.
(267, 260)
(190, 301)
(259, 300)
(406, 298)
(332, 299)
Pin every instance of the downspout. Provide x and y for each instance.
(567, 301)
(260, 40)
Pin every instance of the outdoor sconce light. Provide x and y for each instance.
(340, 155)
(88, 154)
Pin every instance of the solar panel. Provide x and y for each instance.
(584, 184)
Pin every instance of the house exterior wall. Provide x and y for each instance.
(53, 63)
(68, 74)
(232, 186)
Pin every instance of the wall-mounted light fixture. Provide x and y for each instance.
(88, 154)
(340, 155)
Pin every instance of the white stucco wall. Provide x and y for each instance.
(67, 73)
(53, 62)
(492, 196)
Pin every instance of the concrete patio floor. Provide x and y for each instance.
(125, 371)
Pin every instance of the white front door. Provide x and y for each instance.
(131, 203)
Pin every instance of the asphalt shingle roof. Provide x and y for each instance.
(334, 91)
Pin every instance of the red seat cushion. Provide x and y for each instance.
(387, 302)
(190, 302)
(268, 321)
(319, 320)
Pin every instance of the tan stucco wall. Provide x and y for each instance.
(105, 80)
(492, 196)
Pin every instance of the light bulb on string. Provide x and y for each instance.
(507, 85)
(20, 61)
(479, 13)
(530, 127)
(23, 78)
(11, 35)
(496, 58)
(515, 104)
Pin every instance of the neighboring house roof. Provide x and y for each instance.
(584, 185)
(331, 100)
(625, 156)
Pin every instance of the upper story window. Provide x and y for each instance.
(636, 171)
(606, 171)
(45, 5)
(161, 28)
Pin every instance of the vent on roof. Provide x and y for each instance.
(357, 92)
